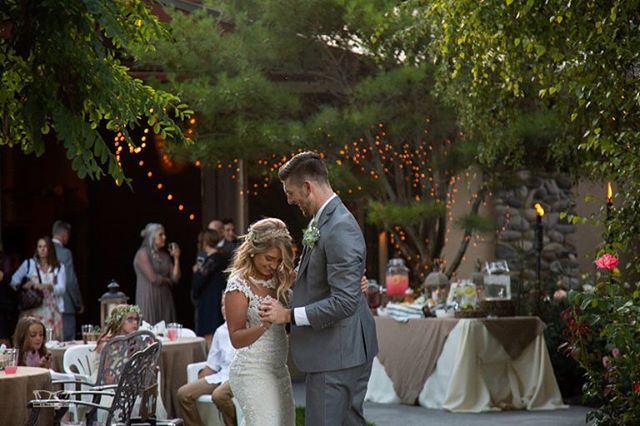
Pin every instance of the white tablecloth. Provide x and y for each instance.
(474, 373)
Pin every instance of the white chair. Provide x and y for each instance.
(207, 410)
(187, 332)
(80, 360)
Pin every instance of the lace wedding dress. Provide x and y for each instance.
(258, 375)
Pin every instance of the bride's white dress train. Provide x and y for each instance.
(258, 375)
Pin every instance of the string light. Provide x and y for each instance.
(120, 138)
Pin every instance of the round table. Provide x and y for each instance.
(17, 389)
(175, 357)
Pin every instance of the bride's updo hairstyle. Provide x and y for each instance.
(262, 236)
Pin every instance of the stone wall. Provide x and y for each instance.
(516, 219)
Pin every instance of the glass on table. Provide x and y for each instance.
(9, 360)
(174, 330)
(86, 329)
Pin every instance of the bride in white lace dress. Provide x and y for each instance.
(259, 377)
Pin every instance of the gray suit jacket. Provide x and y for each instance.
(342, 332)
(72, 295)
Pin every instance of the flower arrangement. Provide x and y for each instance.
(311, 235)
(602, 336)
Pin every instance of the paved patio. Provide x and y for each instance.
(404, 415)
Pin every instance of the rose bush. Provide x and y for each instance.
(603, 336)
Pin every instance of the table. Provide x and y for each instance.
(464, 365)
(17, 389)
(175, 357)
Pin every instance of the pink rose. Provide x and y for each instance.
(615, 352)
(605, 361)
(607, 261)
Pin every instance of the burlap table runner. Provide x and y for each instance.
(409, 351)
(17, 389)
(514, 333)
(174, 359)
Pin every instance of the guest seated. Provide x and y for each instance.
(212, 379)
(124, 319)
(29, 339)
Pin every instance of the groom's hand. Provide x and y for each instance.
(272, 311)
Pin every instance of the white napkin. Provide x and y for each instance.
(160, 328)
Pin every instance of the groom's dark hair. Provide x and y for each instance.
(308, 164)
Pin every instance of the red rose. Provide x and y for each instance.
(607, 261)
(636, 386)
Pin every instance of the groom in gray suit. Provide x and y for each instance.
(333, 336)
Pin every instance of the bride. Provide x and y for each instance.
(259, 377)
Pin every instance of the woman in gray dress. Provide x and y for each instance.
(156, 273)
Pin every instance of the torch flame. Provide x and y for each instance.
(609, 192)
(539, 209)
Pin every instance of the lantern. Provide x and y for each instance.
(436, 285)
(110, 300)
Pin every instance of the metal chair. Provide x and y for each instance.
(137, 375)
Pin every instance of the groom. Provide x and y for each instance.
(333, 336)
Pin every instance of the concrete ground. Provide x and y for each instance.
(405, 415)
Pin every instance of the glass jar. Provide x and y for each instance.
(374, 294)
(397, 279)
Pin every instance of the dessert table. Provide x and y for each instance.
(17, 389)
(464, 365)
(175, 357)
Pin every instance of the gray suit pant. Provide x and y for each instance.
(336, 397)
(68, 326)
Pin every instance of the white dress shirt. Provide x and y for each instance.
(220, 356)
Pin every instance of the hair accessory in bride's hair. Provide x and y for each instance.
(258, 237)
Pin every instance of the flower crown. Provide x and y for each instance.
(119, 312)
(257, 237)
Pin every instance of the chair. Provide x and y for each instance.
(114, 355)
(137, 375)
(207, 410)
(187, 332)
(80, 359)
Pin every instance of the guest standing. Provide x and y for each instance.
(157, 272)
(44, 273)
(230, 243)
(61, 233)
(208, 284)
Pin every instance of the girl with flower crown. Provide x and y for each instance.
(122, 320)
(259, 378)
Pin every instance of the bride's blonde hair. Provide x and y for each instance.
(262, 236)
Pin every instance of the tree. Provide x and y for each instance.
(64, 79)
(270, 78)
(575, 62)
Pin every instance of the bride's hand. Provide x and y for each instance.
(271, 310)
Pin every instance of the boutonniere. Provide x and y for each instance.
(311, 235)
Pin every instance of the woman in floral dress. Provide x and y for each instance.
(44, 273)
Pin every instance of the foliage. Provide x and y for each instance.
(602, 335)
(64, 78)
(574, 61)
(270, 78)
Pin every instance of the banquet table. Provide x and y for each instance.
(17, 389)
(464, 365)
(175, 357)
